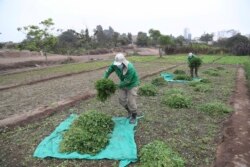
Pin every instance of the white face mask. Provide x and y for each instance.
(120, 66)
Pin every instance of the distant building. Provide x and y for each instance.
(187, 34)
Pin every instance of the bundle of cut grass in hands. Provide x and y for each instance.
(105, 88)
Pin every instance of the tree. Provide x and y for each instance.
(99, 35)
(142, 39)
(164, 42)
(180, 40)
(39, 38)
(236, 39)
(130, 38)
(207, 37)
(154, 36)
(115, 38)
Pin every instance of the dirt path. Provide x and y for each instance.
(234, 151)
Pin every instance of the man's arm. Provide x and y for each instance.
(109, 71)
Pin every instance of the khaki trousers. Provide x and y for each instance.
(127, 97)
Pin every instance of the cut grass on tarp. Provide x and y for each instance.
(159, 81)
(88, 134)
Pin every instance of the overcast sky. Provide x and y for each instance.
(167, 16)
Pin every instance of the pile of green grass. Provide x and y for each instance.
(214, 108)
(176, 99)
(159, 154)
(147, 90)
(88, 134)
(159, 81)
(179, 72)
(183, 77)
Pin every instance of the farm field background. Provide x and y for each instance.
(190, 132)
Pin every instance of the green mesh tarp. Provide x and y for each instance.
(169, 77)
(121, 147)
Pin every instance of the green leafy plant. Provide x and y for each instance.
(147, 90)
(177, 101)
(88, 134)
(159, 81)
(182, 77)
(214, 108)
(179, 72)
(105, 88)
(202, 88)
(159, 154)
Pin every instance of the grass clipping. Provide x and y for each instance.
(157, 153)
(88, 134)
(105, 88)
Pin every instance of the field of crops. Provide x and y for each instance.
(192, 132)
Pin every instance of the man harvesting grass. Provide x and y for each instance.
(128, 85)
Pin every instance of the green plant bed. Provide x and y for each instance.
(177, 101)
(214, 108)
(158, 154)
(212, 72)
(159, 81)
(174, 91)
(88, 134)
(105, 88)
(202, 88)
(147, 90)
(182, 77)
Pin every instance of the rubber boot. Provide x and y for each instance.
(129, 112)
(133, 118)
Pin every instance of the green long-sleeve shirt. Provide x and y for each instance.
(128, 80)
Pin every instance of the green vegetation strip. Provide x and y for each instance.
(30, 76)
(247, 72)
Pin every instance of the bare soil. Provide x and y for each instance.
(234, 151)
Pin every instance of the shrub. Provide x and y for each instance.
(202, 88)
(179, 72)
(177, 101)
(160, 81)
(157, 153)
(88, 134)
(214, 108)
(147, 90)
(105, 88)
(182, 77)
